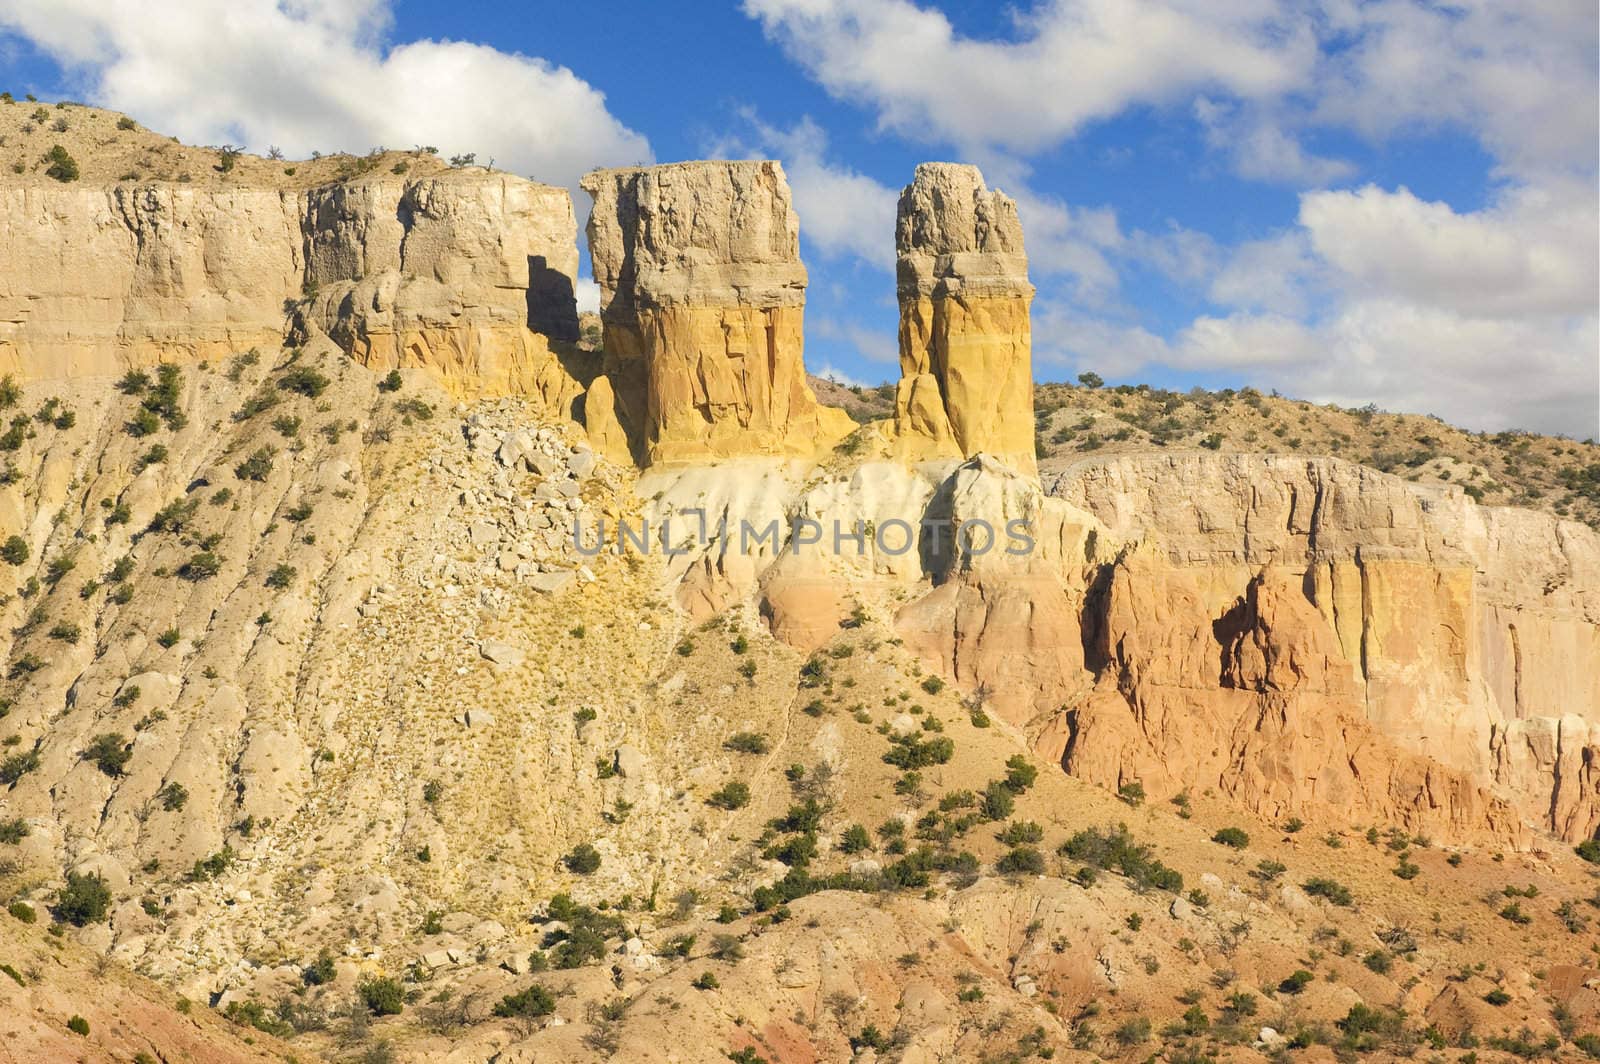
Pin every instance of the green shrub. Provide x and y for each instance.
(1331, 889)
(748, 743)
(14, 551)
(1234, 837)
(1497, 997)
(998, 801)
(63, 167)
(1020, 773)
(1296, 982)
(1378, 961)
(531, 1003)
(13, 831)
(78, 1025)
(16, 766)
(1021, 860)
(305, 381)
(201, 566)
(584, 859)
(855, 839)
(1021, 831)
(110, 752)
(21, 910)
(910, 752)
(933, 685)
(320, 971)
(174, 796)
(391, 382)
(1589, 849)
(281, 576)
(382, 995)
(257, 466)
(1115, 850)
(84, 900)
(733, 795)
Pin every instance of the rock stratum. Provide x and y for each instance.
(466, 273)
(703, 299)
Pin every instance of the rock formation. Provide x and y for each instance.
(966, 370)
(703, 293)
(466, 273)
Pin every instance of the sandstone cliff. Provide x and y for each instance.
(703, 295)
(966, 369)
(466, 273)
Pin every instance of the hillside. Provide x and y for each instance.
(104, 147)
(1072, 422)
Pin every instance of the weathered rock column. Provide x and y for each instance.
(702, 295)
(966, 365)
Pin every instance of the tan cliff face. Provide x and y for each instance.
(466, 273)
(703, 295)
(966, 370)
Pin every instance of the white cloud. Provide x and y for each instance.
(870, 344)
(1274, 274)
(588, 295)
(829, 372)
(1261, 149)
(316, 76)
(1075, 61)
(1533, 252)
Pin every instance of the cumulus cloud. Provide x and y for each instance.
(318, 76)
(1533, 252)
(1074, 61)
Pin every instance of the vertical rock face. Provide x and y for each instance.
(466, 273)
(703, 294)
(966, 367)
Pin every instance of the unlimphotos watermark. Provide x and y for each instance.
(690, 533)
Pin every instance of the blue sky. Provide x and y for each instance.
(1386, 200)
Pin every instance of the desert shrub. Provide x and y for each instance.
(705, 981)
(1020, 773)
(66, 632)
(933, 685)
(584, 859)
(201, 566)
(21, 910)
(1588, 849)
(1021, 831)
(1296, 982)
(110, 752)
(281, 576)
(382, 995)
(1234, 837)
(169, 638)
(910, 752)
(63, 167)
(320, 971)
(1021, 860)
(84, 900)
(998, 801)
(391, 382)
(855, 839)
(1378, 961)
(304, 380)
(257, 466)
(14, 551)
(1116, 850)
(213, 866)
(1331, 889)
(1497, 997)
(531, 1003)
(733, 795)
(16, 766)
(78, 1025)
(748, 743)
(13, 830)
(174, 796)
(1132, 793)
